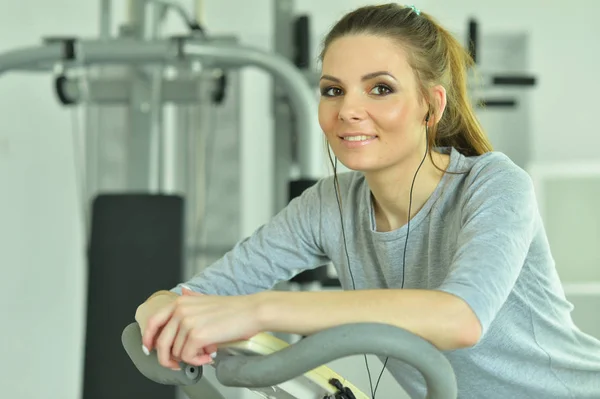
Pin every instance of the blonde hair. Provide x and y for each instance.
(436, 57)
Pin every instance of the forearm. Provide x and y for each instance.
(438, 317)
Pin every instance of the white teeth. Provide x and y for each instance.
(358, 138)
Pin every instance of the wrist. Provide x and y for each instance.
(162, 293)
(264, 310)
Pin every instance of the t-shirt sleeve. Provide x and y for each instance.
(277, 251)
(499, 219)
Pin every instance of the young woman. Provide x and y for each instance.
(432, 231)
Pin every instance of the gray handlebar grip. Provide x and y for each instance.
(149, 366)
(311, 352)
(189, 378)
(338, 342)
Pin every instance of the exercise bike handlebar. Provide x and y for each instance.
(311, 352)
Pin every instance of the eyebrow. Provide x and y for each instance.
(365, 77)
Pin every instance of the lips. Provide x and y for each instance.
(355, 141)
(359, 138)
(354, 135)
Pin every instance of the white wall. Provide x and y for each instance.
(40, 241)
(41, 254)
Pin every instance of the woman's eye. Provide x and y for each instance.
(331, 91)
(378, 90)
(381, 90)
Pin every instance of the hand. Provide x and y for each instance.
(159, 306)
(152, 305)
(198, 323)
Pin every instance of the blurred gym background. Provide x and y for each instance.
(63, 141)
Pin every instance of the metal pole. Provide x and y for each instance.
(199, 12)
(224, 55)
(284, 154)
(105, 19)
(156, 159)
(304, 103)
(28, 57)
(136, 17)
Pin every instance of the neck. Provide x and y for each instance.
(391, 189)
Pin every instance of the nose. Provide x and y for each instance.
(351, 109)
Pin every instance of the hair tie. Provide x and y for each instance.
(415, 9)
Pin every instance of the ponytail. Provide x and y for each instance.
(436, 57)
(459, 128)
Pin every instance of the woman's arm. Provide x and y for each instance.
(195, 324)
(443, 319)
(278, 250)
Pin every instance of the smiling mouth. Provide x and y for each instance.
(358, 138)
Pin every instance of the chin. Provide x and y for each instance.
(359, 164)
(361, 159)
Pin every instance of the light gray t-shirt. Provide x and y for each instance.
(479, 236)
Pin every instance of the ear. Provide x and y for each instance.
(438, 106)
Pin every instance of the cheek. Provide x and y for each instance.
(391, 117)
(396, 127)
(327, 117)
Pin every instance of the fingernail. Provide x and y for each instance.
(145, 350)
(213, 355)
(175, 368)
(186, 287)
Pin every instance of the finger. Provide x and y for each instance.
(200, 360)
(194, 346)
(211, 350)
(154, 324)
(174, 359)
(181, 338)
(188, 292)
(164, 343)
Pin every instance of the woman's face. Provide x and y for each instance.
(369, 109)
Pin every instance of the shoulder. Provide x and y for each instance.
(494, 172)
(494, 184)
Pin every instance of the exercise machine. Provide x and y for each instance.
(142, 170)
(276, 370)
(131, 170)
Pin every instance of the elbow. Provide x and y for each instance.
(464, 322)
(455, 336)
(464, 329)
(468, 333)
(468, 330)
(460, 331)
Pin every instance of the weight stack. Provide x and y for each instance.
(136, 248)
